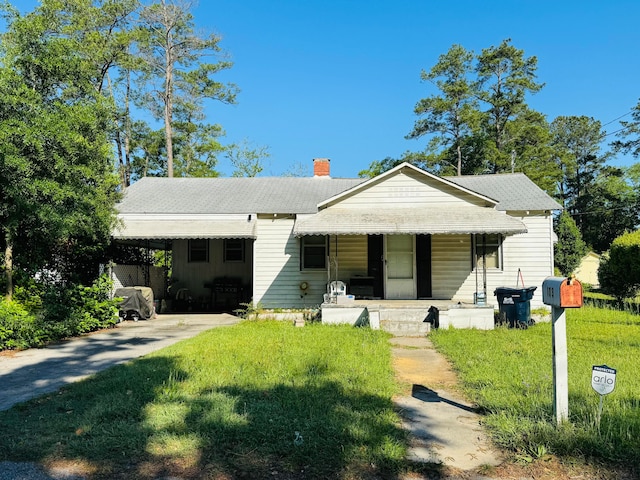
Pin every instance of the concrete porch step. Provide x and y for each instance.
(403, 321)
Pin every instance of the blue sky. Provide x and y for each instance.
(340, 79)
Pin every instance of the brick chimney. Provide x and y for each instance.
(321, 167)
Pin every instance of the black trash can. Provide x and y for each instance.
(515, 305)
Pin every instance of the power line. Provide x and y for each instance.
(618, 118)
(618, 131)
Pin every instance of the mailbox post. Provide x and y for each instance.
(560, 293)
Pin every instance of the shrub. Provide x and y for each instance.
(619, 272)
(29, 296)
(79, 309)
(18, 328)
(43, 313)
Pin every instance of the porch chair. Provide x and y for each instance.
(337, 288)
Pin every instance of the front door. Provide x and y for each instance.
(400, 267)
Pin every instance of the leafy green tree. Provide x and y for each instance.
(146, 151)
(196, 148)
(631, 132)
(453, 115)
(246, 159)
(577, 144)
(504, 78)
(608, 208)
(531, 150)
(56, 176)
(619, 272)
(570, 247)
(633, 179)
(174, 76)
(479, 121)
(419, 159)
(102, 34)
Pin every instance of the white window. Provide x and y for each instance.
(487, 250)
(198, 250)
(313, 252)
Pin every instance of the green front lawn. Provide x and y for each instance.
(238, 402)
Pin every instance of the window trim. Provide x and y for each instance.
(303, 252)
(191, 249)
(226, 250)
(477, 241)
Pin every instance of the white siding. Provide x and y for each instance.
(277, 274)
(406, 189)
(531, 252)
(351, 258)
(450, 264)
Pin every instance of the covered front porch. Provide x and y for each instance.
(432, 253)
(409, 270)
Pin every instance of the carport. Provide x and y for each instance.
(208, 259)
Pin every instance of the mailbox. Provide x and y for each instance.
(562, 292)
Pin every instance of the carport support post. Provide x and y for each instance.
(560, 368)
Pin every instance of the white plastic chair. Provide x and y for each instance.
(337, 288)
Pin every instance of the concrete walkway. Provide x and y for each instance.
(444, 428)
(30, 373)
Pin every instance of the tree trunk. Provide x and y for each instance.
(8, 265)
(459, 152)
(123, 163)
(117, 140)
(168, 107)
(127, 131)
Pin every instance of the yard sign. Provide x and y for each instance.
(603, 379)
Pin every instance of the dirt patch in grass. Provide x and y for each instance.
(416, 362)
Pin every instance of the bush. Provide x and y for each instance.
(41, 314)
(18, 328)
(29, 296)
(79, 309)
(619, 271)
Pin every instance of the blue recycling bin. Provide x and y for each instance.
(515, 305)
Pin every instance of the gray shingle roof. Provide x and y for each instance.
(232, 195)
(300, 194)
(514, 191)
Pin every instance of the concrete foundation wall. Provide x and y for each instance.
(407, 321)
(335, 314)
(479, 318)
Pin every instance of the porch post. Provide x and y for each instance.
(484, 265)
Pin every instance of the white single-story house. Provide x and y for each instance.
(403, 235)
